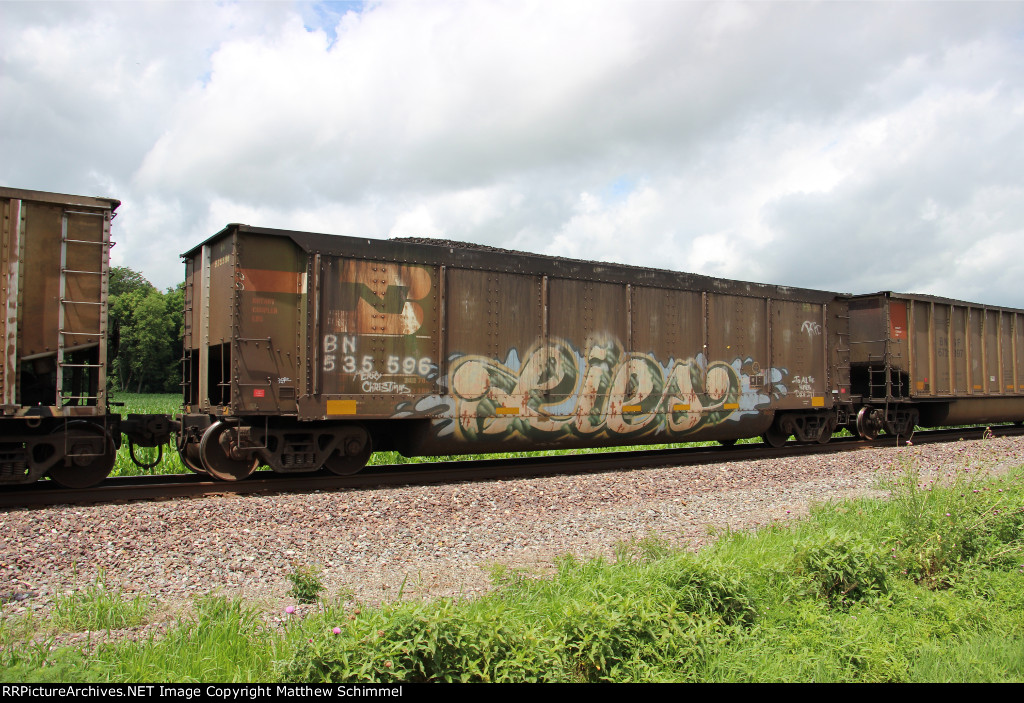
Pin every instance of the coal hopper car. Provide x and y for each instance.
(54, 272)
(305, 350)
(929, 361)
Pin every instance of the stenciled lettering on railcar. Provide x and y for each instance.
(364, 369)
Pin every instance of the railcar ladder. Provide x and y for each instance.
(843, 369)
(186, 342)
(86, 267)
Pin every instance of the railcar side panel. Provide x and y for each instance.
(270, 340)
(377, 346)
(10, 280)
(799, 374)
(1006, 357)
(976, 352)
(737, 329)
(609, 364)
(668, 324)
(495, 336)
(40, 256)
(958, 348)
(218, 315)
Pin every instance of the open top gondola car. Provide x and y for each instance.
(54, 271)
(304, 350)
(53, 282)
(928, 361)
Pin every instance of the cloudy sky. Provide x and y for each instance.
(847, 146)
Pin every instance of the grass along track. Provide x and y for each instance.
(927, 586)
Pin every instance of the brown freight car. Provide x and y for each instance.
(55, 260)
(927, 361)
(304, 350)
(54, 270)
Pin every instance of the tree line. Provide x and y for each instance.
(145, 334)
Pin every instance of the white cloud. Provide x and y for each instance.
(846, 146)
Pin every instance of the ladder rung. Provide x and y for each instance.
(84, 241)
(80, 302)
(80, 366)
(72, 333)
(94, 273)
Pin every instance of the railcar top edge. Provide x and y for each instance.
(469, 257)
(7, 193)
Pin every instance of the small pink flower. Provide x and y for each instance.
(336, 630)
(290, 609)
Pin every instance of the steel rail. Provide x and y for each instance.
(169, 486)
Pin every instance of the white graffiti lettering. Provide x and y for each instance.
(804, 386)
(813, 329)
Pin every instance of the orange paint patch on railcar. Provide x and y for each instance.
(268, 281)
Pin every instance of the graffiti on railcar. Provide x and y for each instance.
(555, 391)
(812, 328)
(375, 335)
(379, 298)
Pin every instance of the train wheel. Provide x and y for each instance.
(87, 467)
(826, 432)
(190, 458)
(774, 437)
(352, 453)
(867, 425)
(727, 442)
(220, 455)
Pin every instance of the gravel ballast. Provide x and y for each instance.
(430, 540)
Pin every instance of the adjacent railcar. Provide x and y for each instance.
(53, 380)
(304, 350)
(54, 269)
(928, 361)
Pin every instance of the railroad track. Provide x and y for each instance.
(167, 486)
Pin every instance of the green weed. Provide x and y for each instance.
(219, 639)
(307, 583)
(842, 568)
(97, 607)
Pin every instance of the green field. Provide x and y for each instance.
(925, 587)
(150, 404)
